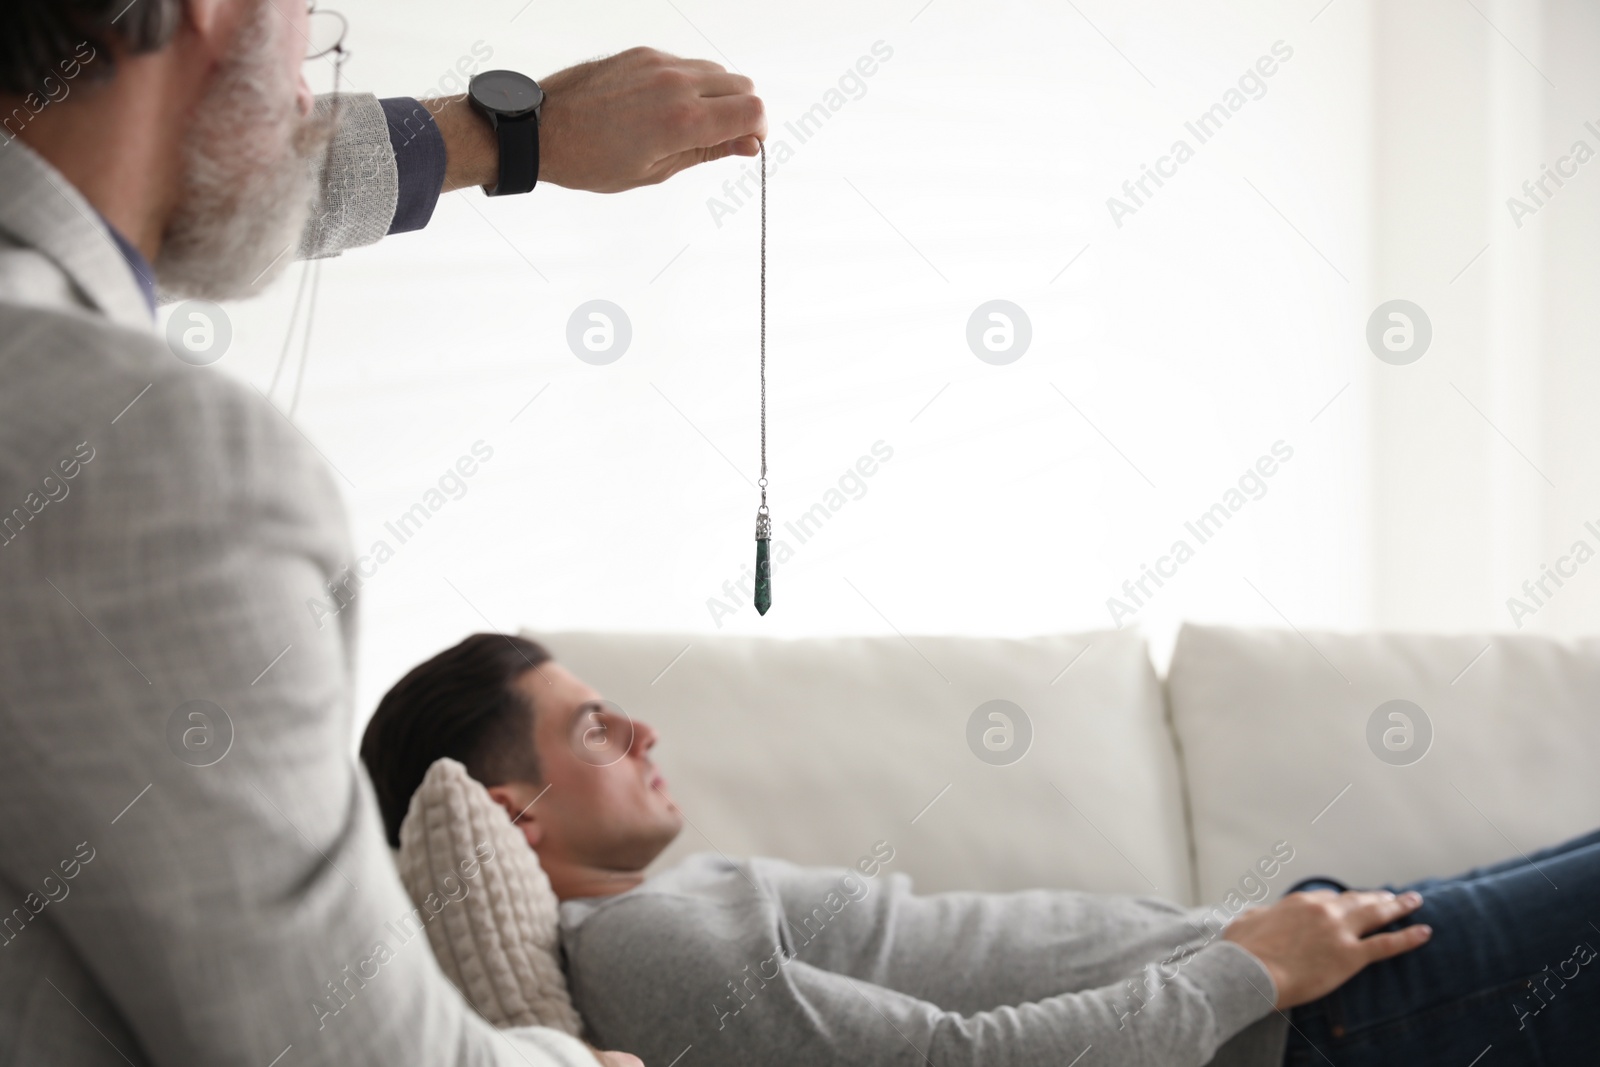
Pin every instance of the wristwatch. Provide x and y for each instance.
(512, 103)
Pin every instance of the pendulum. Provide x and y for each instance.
(763, 516)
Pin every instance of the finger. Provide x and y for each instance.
(721, 84)
(1354, 902)
(727, 118)
(1383, 946)
(1353, 899)
(702, 65)
(1385, 909)
(739, 146)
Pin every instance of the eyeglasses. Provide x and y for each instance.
(325, 32)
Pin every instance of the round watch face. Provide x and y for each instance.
(506, 92)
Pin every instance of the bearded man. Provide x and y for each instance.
(191, 866)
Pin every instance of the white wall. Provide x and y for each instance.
(1484, 463)
(1227, 314)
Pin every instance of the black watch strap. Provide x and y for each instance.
(519, 155)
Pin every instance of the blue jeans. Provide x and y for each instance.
(1511, 975)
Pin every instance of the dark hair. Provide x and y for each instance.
(462, 703)
(37, 36)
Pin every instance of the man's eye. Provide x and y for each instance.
(591, 725)
(601, 734)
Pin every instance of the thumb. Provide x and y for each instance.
(682, 161)
(739, 146)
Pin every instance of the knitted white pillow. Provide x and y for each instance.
(488, 907)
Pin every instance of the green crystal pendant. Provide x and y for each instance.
(763, 562)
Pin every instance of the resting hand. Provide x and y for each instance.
(1312, 943)
(617, 1059)
(641, 116)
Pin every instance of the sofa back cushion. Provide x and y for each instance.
(813, 750)
(1490, 750)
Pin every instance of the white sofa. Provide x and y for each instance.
(814, 749)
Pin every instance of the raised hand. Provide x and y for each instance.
(641, 116)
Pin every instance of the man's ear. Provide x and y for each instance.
(214, 22)
(517, 801)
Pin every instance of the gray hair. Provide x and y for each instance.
(42, 39)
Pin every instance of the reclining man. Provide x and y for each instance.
(717, 954)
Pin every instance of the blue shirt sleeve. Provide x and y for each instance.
(419, 157)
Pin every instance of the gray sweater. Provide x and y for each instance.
(764, 962)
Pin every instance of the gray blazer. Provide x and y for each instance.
(192, 871)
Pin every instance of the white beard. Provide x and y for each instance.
(247, 186)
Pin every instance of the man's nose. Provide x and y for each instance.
(644, 737)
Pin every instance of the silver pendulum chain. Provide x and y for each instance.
(763, 598)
